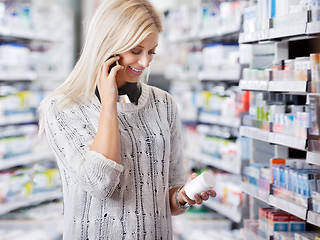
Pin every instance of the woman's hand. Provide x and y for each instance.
(199, 198)
(107, 83)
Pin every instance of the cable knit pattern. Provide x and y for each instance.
(105, 200)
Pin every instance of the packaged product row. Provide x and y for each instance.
(22, 183)
(31, 46)
(279, 225)
(204, 18)
(278, 113)
(296, 176)
(216, 147)
(305, 69)
(218, 59)
(218, 101)
(18, 124)
(282, 13)
(30, 18)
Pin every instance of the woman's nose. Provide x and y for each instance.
(144, 61)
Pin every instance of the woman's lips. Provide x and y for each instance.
(136, 71)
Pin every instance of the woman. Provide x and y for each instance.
(120, 163)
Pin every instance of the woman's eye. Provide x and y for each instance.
(135, 52)
(153, 52)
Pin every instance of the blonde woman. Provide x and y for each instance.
(120, 162)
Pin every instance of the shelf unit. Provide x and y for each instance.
(281, 38)
(32, 68)
(204, 78)
(304, 28)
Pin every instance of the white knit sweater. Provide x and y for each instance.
(105, 200)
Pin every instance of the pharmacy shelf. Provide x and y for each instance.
(30, 201)
(227, 211)
(230, 167)
(18, 75)
(209, 118)
(288, 141)
(275, 138)
(254, 85)
(18, 119)
(25, 159)
(313, 158)
(255, 192)
(289, 207)
(232, 75)
(287, 31)
(23, 35)
(274, 86)
(275, 201)
(313, 218)
(301, 28)
(288, 86)
(255, 133)
(273, 33)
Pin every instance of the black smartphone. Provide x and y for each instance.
(113, 64)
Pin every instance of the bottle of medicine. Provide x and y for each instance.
(202, 183)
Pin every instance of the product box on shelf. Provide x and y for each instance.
(283, 236)
(273, 220)
(315, 72)
(306, 236)
(314, 110)
(315, 196)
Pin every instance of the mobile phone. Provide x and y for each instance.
(113, 64)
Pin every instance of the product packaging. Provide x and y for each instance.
(203, 183)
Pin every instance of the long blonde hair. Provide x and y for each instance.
(116, 27)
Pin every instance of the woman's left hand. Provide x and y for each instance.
(199, 198)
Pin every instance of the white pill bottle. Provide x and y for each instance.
(202, 183)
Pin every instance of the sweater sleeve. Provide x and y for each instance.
(176, 171)
(70, 136)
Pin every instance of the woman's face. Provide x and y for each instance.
(136, 60)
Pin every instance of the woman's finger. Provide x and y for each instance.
(204, 196)
(114, 71)
(107, 64)
(194, 175)
(198, 199)
(212, 193)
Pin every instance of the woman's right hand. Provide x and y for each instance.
(107, 83)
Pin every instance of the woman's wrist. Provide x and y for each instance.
(180, 202)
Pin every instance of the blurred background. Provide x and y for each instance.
(245, 75)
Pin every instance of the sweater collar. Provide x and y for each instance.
(129, 107)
